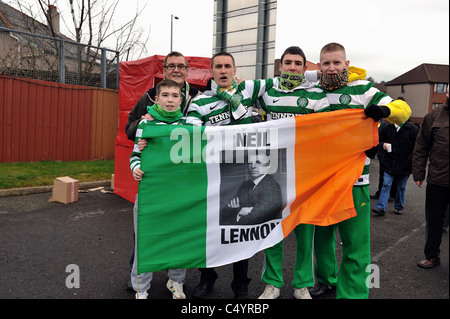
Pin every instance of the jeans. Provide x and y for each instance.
(386, 189)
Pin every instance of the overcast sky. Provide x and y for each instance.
(385, 37)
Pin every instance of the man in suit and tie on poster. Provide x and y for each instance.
(258, 199)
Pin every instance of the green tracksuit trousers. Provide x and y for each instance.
(355, 237)
(303, 271)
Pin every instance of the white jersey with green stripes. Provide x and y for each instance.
(302, 100)
(357, 95)
(209, 110)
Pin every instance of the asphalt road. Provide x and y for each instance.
(40, 240)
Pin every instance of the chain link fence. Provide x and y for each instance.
(29, 55)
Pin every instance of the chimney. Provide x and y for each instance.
(53, 16)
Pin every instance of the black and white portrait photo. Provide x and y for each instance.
(258, 196)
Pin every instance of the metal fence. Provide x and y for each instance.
(29, 55)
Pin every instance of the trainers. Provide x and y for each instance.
(302, 293)
(398, 211)
(270, 292)
(176, 288)
(141, 295)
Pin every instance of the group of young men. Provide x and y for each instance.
(296, 92)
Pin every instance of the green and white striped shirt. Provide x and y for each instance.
(303, 99)
(356, 95)
(209, 110)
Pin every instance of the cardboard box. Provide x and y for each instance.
(65, 190)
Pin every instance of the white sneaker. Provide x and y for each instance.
(270, 292)
(302, 293)
(141, 295)
(176, 288)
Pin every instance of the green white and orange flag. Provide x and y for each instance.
(212, 196)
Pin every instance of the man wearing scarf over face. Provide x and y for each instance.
(292, 94)
(345, 88)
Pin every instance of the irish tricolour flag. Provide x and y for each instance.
(215, 195)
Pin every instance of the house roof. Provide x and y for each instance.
(310, 66)
(424, 73)
(12, 18)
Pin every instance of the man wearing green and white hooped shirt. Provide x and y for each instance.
(292, 94)
(221, 105)
(346, 88)
(209, 109)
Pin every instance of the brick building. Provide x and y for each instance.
(423, 88)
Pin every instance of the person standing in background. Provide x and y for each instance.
(432, 145)
(397, 142)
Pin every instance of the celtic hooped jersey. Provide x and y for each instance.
(209, 110)
(304, 99)
(357, 95)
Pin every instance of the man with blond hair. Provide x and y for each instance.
(346, 88)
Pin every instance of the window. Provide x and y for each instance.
(440, 88)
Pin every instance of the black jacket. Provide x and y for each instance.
(399, 161)
(432, 146)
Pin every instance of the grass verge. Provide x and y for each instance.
(28, 174)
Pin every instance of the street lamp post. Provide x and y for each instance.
(171, 30)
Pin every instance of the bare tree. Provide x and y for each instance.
(91, 22)
(91, 25)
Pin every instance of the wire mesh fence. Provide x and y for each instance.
(28, 55)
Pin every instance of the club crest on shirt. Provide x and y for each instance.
(345, 99)
(302, 102)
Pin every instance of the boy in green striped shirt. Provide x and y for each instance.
(166, 111)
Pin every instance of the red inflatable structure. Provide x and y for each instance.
(136, 78)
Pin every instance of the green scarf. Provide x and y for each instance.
(162, 115)
(230, 95)
(229, 89)
(289, 81)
